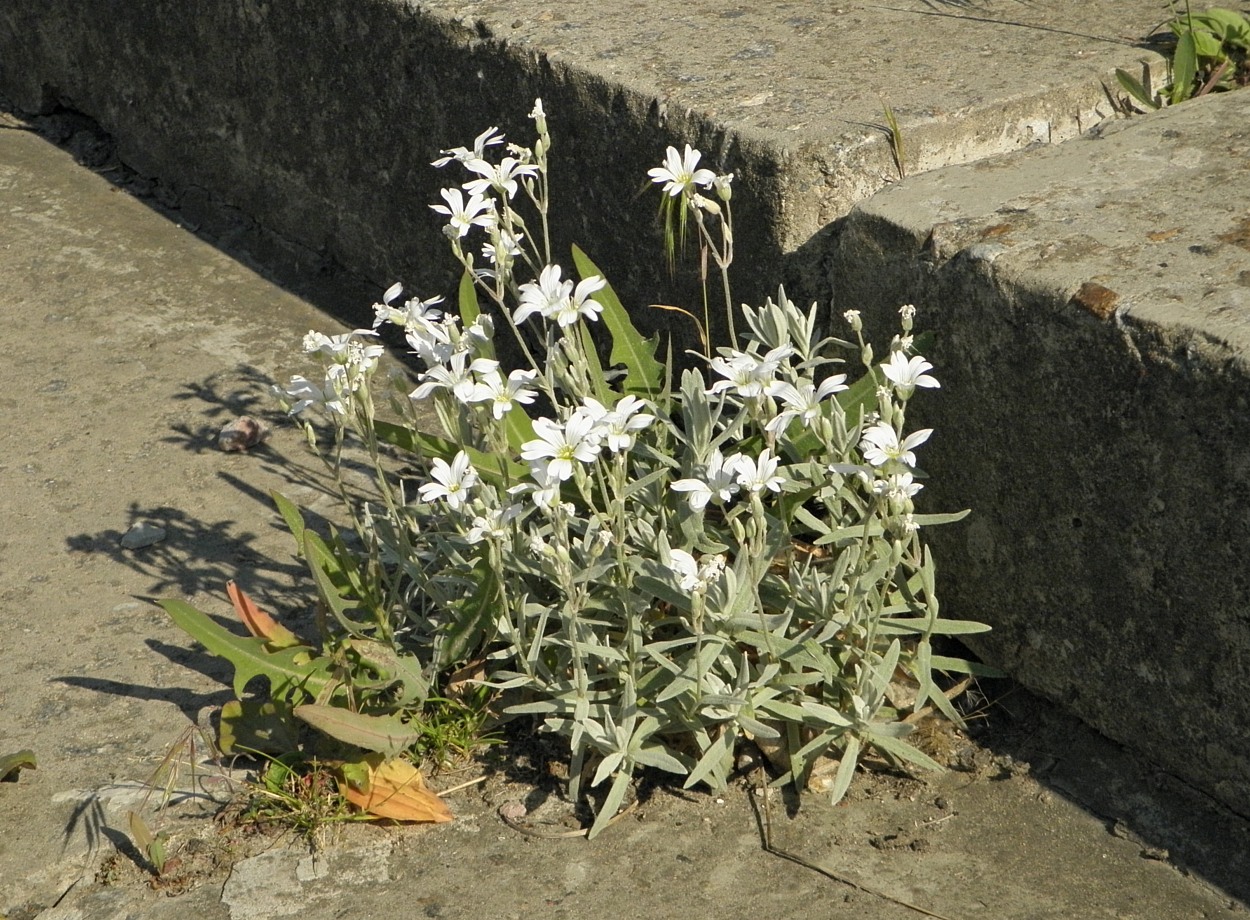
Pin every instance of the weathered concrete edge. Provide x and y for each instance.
(1099, 441)
(320, 126)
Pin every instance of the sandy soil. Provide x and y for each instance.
(129, 343)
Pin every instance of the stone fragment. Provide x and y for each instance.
(142, 534)
(242, 434)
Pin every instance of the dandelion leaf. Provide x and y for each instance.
(12, 764)
(288, 670)
(644, 375)
(256, 725)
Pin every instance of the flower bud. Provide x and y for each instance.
(885, 404)
(866, 355)
(852, 318)
(540, 117)
(704, 204)
(908, 312)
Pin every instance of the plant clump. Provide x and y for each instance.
(654, 564)
(1210, 52)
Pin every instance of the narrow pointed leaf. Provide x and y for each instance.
(903, 751)
(291, 515)
(611, 804)
(846, 769)
(1184, 67)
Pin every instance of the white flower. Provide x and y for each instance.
(493, 524)
(480, 332)
(580, 304)
(503, 248)
(544, 491)
(454, 376)
(693, 576)
(722, 186)
(618, 426)
(750, 375)
(539, 116)
(431, 342)
(803, 401)
(464, 215)
(907, 311)
(908, 373)
(558, 300)
(307, 394)
(502, 394)
(545, 297)
(540, 547)
(880, 445)
(679, 173)
(352, 357)
(897, 488)
(453, 481)
(501, 178)
(413, 312)
(560, 445)
(488, 138)
(853, 320)
(760, 474)
(720, 481)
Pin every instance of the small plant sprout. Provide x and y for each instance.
(655, 566)
(1211, 53)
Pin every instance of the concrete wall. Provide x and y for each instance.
(1089, 304)
(318, 120)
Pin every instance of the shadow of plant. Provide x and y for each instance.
(194, 557)
(224, 396)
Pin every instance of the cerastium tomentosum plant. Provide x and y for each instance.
(653, 565)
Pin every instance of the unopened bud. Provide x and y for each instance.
(540, 117)
(699, 203)
(908, 312)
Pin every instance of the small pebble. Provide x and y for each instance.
(513, 811)
(242, 434)
(142, 534)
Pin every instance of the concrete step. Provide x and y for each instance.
(128, 344)
(318, 122)
(1106, 435)
(1092, 310)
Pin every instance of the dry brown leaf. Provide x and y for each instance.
(397, 791)
(465, 678)
(259, 623)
